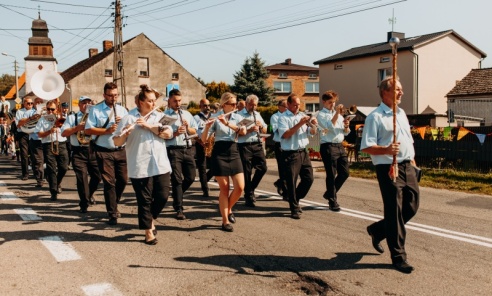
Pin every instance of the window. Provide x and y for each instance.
(143, 67)
(384, 59)
(312, 107)
(383, 73)
(282, 75)
(175, 76)
(35, 50)
(312, 87)
(313, 75)
(108, 72)
(338, 66)
(282, 86)
(44, 51)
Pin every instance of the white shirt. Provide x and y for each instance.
(146, 154)
(336, 132)
(44, 125)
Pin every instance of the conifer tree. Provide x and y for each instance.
(251, 79)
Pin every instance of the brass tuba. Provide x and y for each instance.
(81, 136)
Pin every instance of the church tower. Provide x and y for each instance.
(40, 51)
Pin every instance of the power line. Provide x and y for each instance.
(278, 28)
(68, 4)
(48, 10)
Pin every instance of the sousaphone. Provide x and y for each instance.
(47, 85)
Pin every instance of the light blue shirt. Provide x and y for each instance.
(97, 117)
(223, 132)
(146, 153)
(179, 140)
(44, 125)
(251, 137)
(336, 132)
(274, 124)
(299, 140)
(378, 130)
(23, 113)
(69, 123)
(200, 123)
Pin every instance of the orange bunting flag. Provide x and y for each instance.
(462, 132)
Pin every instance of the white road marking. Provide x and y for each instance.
(2, 183)
(61, 250)
(460, 236)
(100, 290)
(8, 196)
(27, 214)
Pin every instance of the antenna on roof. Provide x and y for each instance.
(392, 21)
(39, 12)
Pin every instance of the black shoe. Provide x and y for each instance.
(280, 190)
(295, 215)
(39, 184)
(180, 215)
(83, 210)
(231, 218)
(403, 266)
(54, 196)
(333, 206)
(249, 204)
(227, 227)
(24, 178)
(112, 221)
(151, 242)
(375, 242)
(92, 201)
(59, 189)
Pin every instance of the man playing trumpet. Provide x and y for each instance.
(332, 152)
(54, 148)
(83, 160)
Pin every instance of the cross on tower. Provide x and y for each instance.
(392, 21)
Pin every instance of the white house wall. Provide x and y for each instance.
(442, 63)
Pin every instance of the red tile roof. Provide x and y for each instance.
(477, 82)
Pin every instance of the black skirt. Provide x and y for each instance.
(225, 160)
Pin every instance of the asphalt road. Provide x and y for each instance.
(48, 248)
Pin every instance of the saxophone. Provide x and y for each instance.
(209, 145)
(81, 136)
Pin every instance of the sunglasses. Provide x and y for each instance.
(230, 104)
(51, 109)
(29, 103)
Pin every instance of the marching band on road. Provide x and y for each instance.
(159, 151)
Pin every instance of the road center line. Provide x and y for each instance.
(8, 196)
(27, 214)
(61, 250)
(100, 289)
(460, 236)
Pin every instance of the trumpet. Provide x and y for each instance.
(349, 111)
(55, 145)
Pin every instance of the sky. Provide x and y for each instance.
(212, 38)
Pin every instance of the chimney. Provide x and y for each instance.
(93, 52)
(107, 44)
(395, 34)
(288, 61)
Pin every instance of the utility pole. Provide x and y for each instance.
(118, 69)
(17, 100)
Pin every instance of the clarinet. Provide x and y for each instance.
(187, 139)
(258, 131)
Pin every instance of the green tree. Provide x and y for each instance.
(215, 90)
(251, 79)
(6, 83)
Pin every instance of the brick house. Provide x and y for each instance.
(286, 78)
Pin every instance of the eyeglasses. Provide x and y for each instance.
(51, 109)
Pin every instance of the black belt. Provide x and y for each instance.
(295, 151)
(249, 143)
(104, 149)
(332, 144)
(177, 147)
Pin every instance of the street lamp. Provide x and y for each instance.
(16, 79)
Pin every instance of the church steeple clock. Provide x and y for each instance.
(40, 51)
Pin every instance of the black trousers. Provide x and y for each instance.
(252, 157)
(336, 166)
(401, 202)
(114, 174)
(37, 159)
(85, 165)
(280, 164)
(24, 153)
(202, 163)
(183, 174)
(3, 141)
(152, 195)
(56, 165)
(297, 164)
